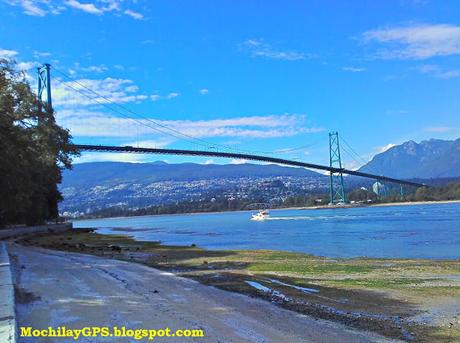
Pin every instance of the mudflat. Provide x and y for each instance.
(78, 290)
(407, 299)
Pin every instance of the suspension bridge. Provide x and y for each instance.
(335, 168)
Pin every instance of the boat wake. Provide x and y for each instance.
(345, 217)
(291, 218)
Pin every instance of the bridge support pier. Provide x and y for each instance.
(44, 84)
(337, 189)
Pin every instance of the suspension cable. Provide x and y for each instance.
(207, 143)
(353, 151)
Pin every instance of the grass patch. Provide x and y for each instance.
(311, 268)
(379, 283)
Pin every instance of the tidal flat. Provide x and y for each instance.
(415, 300)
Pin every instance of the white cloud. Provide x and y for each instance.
(112, 157)
(4, 53)
(40, 54)
(204, 91)
(172, 95)
(448, 74)
(238, 161)
(111, 5)
(438, 72)
(95, 69)
(85, 7)
(115, 90)
(132, 88)
(385, 147)
(258, 48)
(420, 41)
(25, 66)
(91, 123)
(134, 15)
(352, 165)
(211, 161)
(284, 150)
(354, 69)
(439, 129)
(31, 7)
(154, 144)
(42, 8)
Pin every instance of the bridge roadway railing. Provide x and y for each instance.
(131, 149)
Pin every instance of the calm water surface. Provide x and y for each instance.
(421, 231)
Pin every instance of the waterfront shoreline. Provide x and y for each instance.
(320, 207)
(413, 203)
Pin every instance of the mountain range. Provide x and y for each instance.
(90, 186)
(428, 159)
(99, 173)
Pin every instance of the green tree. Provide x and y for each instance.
(33, 152)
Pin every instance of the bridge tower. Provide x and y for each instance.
(44, 85)
(337, 191)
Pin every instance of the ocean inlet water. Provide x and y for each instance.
(416, 231)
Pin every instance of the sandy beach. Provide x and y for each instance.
(412, 203)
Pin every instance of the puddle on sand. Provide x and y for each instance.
(258, 286)
(302, 289)
(339, 312)
(267, 290)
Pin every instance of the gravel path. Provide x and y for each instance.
(79, 290)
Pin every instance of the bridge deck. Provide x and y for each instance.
(130, 149)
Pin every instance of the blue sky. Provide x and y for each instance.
(264, 76)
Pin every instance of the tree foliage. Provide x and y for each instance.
(33, 151)
(199, 206)
(449, 192)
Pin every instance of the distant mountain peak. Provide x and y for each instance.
(433, 158)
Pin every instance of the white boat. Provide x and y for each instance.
(261, 215)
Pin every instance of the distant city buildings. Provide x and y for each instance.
(271, 190)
